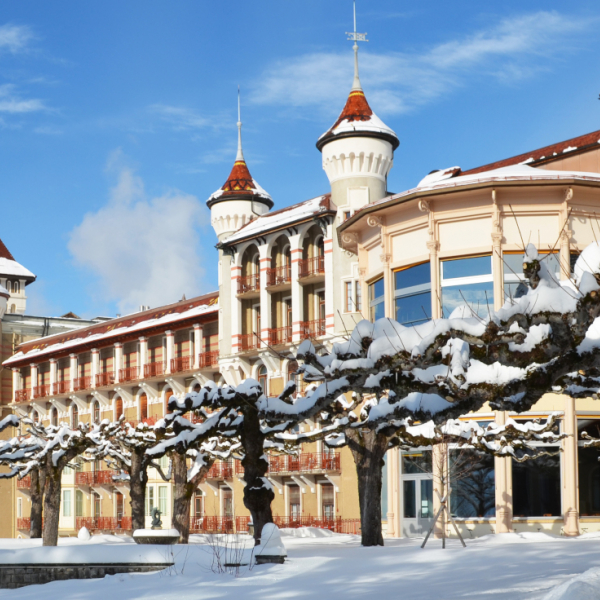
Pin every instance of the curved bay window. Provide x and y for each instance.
(515, 282)
(412, 291)
(589, 469)
(467, 281)
(376, 300)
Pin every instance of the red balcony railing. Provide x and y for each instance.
(281, 335)
(279, 275)
(212, 524)
(94, 477)
(22, 395)
(183, 363)
(251, 283)
(336, 524)
(107, 378)
(155, 368)
(104, 523)
(249, 341)
(82, 383)
(147, 420)
(61, 387)
(312, 329)
(311, 266)
(128, 374)
(23, 523)
(41, 391)
(24, 483)
(220, 470)
(241, 524)
(307, 462)
(208, 359)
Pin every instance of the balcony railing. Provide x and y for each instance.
(251, 283)
(41, 391)
(241, 524)
(306, 462)
(82, 383)
(336, 524)
(249, 341)
(22, 395)
(281, 335)
(220, 470)
(25, 483)
(312, 329)
(107, 378)
(155, 368)
(23, 523)
(211, 524)
(311, 266)
(208, 359)
(183, 363)
(128, 374)
(94, 477)
(61, 387)
(146, 420)
(279, 275)
(104, 523)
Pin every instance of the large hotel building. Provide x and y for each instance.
(312, 270)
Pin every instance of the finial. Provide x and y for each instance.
(240, 154)
(356, 37)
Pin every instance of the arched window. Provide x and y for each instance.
(74, 416)
(168, 394)
(143, 407)
(292, 367)
(54, 417)
(15, 287)
(262, 378)
(118, 407)
(256, 264)
(320, 246)
(96, 412)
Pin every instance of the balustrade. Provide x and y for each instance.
(183, 363)
(312, 329)
(311, 266)
(281, 335)
(155, 368)
(251, 283)
(22, 395)
(107, 378)
(128, 374)
(249, 341)
(61, 387)
(82, 383)
(208, 359)
(279, 275)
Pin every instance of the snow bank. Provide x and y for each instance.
(307, 532)
(581, 587)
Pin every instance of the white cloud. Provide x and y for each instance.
(12, 102)
(397, 82)
(14, 38)
(181, 118)
(142, 251)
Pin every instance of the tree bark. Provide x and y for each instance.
(52, 504)
(138, 479)
(258, 493)
(38, 482)
(368, 450)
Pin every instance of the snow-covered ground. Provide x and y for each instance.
(322, 564)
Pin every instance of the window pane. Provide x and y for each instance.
(348, 285)
(417, 462)
(358, 296)
(536, 487)
(67, 503)
(418, 275)
(384, 490)
(473, 484)
(378, 311)
(467, 267)
(162, 499)
(376, 290)
(426, 498)
(411, 310)
(479, 296)
(589, 482)
(410, 500)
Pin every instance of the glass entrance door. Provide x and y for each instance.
(417, 493)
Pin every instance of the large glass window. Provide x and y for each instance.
(412, 291)
(416, 463)
(149, 500)
(515, 282)
(66, 503)
(589, 469)
(162, 499)
(473, 484)
(536, 487)
(376, 300)
(79, 503)
(468, 281)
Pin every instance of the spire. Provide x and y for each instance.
(240, 153)
(356, 37)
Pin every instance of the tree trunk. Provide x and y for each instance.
(38, 482)
(368, 449)
(258, 493)
(52, 504)
(138, 478)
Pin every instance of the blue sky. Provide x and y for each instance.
(117, 119)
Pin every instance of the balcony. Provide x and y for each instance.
(279, 276)
(249, 284)
(25, 483)
(41, 391)
(312, 329)
(147, 421)
(306, 462)
(154, 369)
(61, 387)
(220, 470)
(22, 395)
(208, 359)
(23, 523)
(249, 341)
(211, 525)
(90, 478)
(82, 383)
(183, 363)
(107, 378)
(336, 524)
(281, 335)
(104, 523)
(311, 267)
(128, 374)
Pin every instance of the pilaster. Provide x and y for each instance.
(569, 460)
(143, 354)
(266, 316)
(72, 371)
(118, 362)
(170, 351)
(297, 291)
(503, 476)
(198, 333)
(95, 365)
(34, 380)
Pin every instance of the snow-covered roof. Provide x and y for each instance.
(358, 118)
(280, 218)
(11, 268)
(163, 316)
(240, 184)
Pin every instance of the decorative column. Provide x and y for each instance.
(569, 458)
(439, 465)
(118, 361)
(72, 371)
(393, 505)
(95, 365)
(17, 383)
(565, 237)
(236, 307)
(433, 246)
(297, 290)
(170, 350)
(34, 380)
(266, 316)
(53, 375)
(329, 278)
(497, 262)
(143, 355)
(503, 476)
(197, 344)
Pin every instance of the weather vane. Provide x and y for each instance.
(353, 36)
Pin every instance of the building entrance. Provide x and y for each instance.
(417, 493)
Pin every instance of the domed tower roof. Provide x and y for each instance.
(240, 185)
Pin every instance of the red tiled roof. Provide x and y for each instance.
(239, 179)
(5, 252)
(546, 154)
(357, 109)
